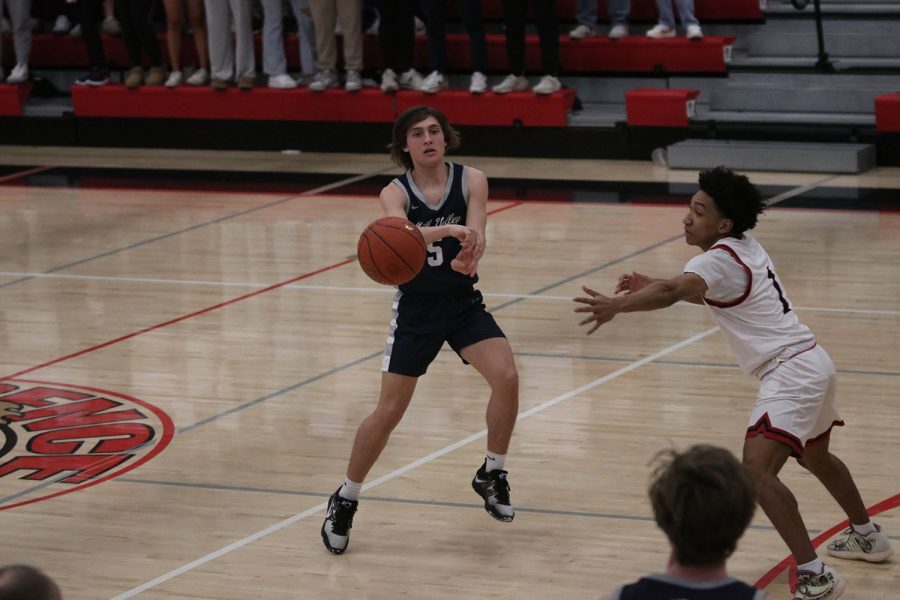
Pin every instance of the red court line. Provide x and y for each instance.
(205, 310)
(884, 505)
(507, 207)
(181, 318)
(12, 176)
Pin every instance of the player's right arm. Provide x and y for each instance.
(634, 281)
(393, 201)
(656, 295)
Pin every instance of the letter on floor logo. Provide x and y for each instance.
(58, 438)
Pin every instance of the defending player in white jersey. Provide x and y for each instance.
(795, 408)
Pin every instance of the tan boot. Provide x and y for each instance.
(134, 77)
(246, 82)
(156, 76)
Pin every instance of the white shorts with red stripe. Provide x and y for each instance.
(795, 404)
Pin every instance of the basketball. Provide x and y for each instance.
(391, 250)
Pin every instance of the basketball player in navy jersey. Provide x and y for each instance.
(795, 408)
(447, 202)
(703, 499)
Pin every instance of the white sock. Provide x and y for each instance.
(864, 529)
(816, 566)
(350, 490)
(494, 462)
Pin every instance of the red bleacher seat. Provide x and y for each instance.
(660, 108)
(525, 108)
(337, 105)
(642, 54)
(12, 97)
(641, 10)
(598, 54)
(887, 112)
(635, 54)
(260, 104)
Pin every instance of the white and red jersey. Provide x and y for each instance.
(750, 304)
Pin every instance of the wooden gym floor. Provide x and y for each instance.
(205, 312)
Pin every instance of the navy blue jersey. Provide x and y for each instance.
(437, 278)
(666, 587)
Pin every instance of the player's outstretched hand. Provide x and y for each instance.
(632, 282)
(602, 308)
(466, 262)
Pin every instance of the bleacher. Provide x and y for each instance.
(658, 90)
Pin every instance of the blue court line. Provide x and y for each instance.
(440, 503)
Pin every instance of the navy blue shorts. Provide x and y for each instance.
(422, 324)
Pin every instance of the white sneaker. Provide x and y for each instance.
(874, 547)
(827, 585)
(198, 77)
(174, 79)
(581, 32)
(694, 32)
(478, 84)
(434, 83)
(75, 31)
(389, 81)
(282, 82)
(323, 80)
(110, 26)
(618, 32)
(547, 85)
(661, 31)
(420, 26)
(353, 81)
(19, 74)
(512, 83)
(410, 80)
(61, 25)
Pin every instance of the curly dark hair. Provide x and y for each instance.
(703, 499)
(736, 198)
(404, 123)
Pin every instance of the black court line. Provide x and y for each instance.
(276, 393)
(184, 230)
(357, 361)
(502, 188)
(439, 503)
(684, 363)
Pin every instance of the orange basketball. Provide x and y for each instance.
(391, 250)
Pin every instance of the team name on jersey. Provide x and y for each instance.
(451, 219)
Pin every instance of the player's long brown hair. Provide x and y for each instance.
(404, 123)
(703, 499)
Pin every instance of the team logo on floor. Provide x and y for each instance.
(58, 438)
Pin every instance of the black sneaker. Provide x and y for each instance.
(96, 77)
(494, 488)
(338, 521)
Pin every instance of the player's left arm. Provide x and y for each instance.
(476, 219)
(655, 295)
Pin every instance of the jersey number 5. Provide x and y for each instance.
(435, 254)
(784, 302)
